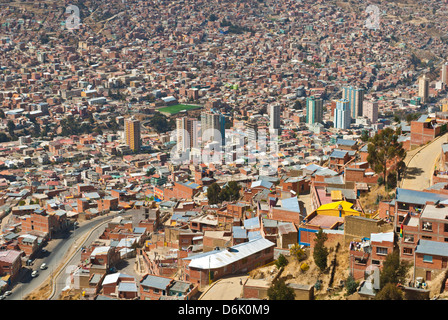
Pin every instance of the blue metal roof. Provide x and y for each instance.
(252, 235)
(156, 282)
(345, 142)
(127, 287)
(291, 204)
(432, 248)
(417, 197)
(339, 154)
(252, 223)
(239, 233)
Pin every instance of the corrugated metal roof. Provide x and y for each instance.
(252, 223)
(417, 197)
(127, 287)
(156, 282)
(432, 248)
(221, 258)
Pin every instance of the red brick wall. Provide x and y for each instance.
(383, 208)
(435, 265)
(284, 215)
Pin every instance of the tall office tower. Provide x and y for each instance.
(132, 133)
(355, 96)
(252, 132)
(342, 117)
(444, 73)
(370, 110)
(274, 118)
(423, 88)
(314, 110)
(214, 121)
(187, 136)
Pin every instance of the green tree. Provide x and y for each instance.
(320, 252)
(389, 292)
(394, 270)
(11, 127)
(230, 192)
(281, 261)
(364, 136)
(160, 123)
(383, 148)
(4, 137)
(351, 285)
(212, 17)
(213, 193)
(280, 291)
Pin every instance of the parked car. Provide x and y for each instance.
(2, 297)
(35, 273)
(8, 293)
(43, 266)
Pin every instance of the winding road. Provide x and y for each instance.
(420, 164)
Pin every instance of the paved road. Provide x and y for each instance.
(421, 165)
(225, 289)
(58, 250)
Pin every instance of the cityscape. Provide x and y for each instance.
(239, 150)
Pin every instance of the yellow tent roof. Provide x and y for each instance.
(346, 206)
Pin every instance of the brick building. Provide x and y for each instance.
(215, 264)
(10, 263)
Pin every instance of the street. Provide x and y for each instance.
(57, 253)
(421, 165)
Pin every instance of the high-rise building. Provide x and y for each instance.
(252, 132)
(274, 118)
(370, 110)
(314, 110)
(187, 136)
(132, 133)
(423, 88)
(355, 96)
(213, 121)
(342, 117)
(444, 74)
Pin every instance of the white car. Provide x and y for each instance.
(8, 293)
(43, 266)
(35, 273)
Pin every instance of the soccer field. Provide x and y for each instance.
(177, 108)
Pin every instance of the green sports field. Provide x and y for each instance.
(177, 108)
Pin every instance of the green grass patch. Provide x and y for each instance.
(177, 108)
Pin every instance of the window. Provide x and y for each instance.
(360, 261)
(445, 229)
(427, 258)
(409, 238)
(155, 290)
(426, 226)
(407, 250)
(145, 289)
(375, 262)
(426, 238)
(381, 251)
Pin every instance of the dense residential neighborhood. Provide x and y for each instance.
(231, 150)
